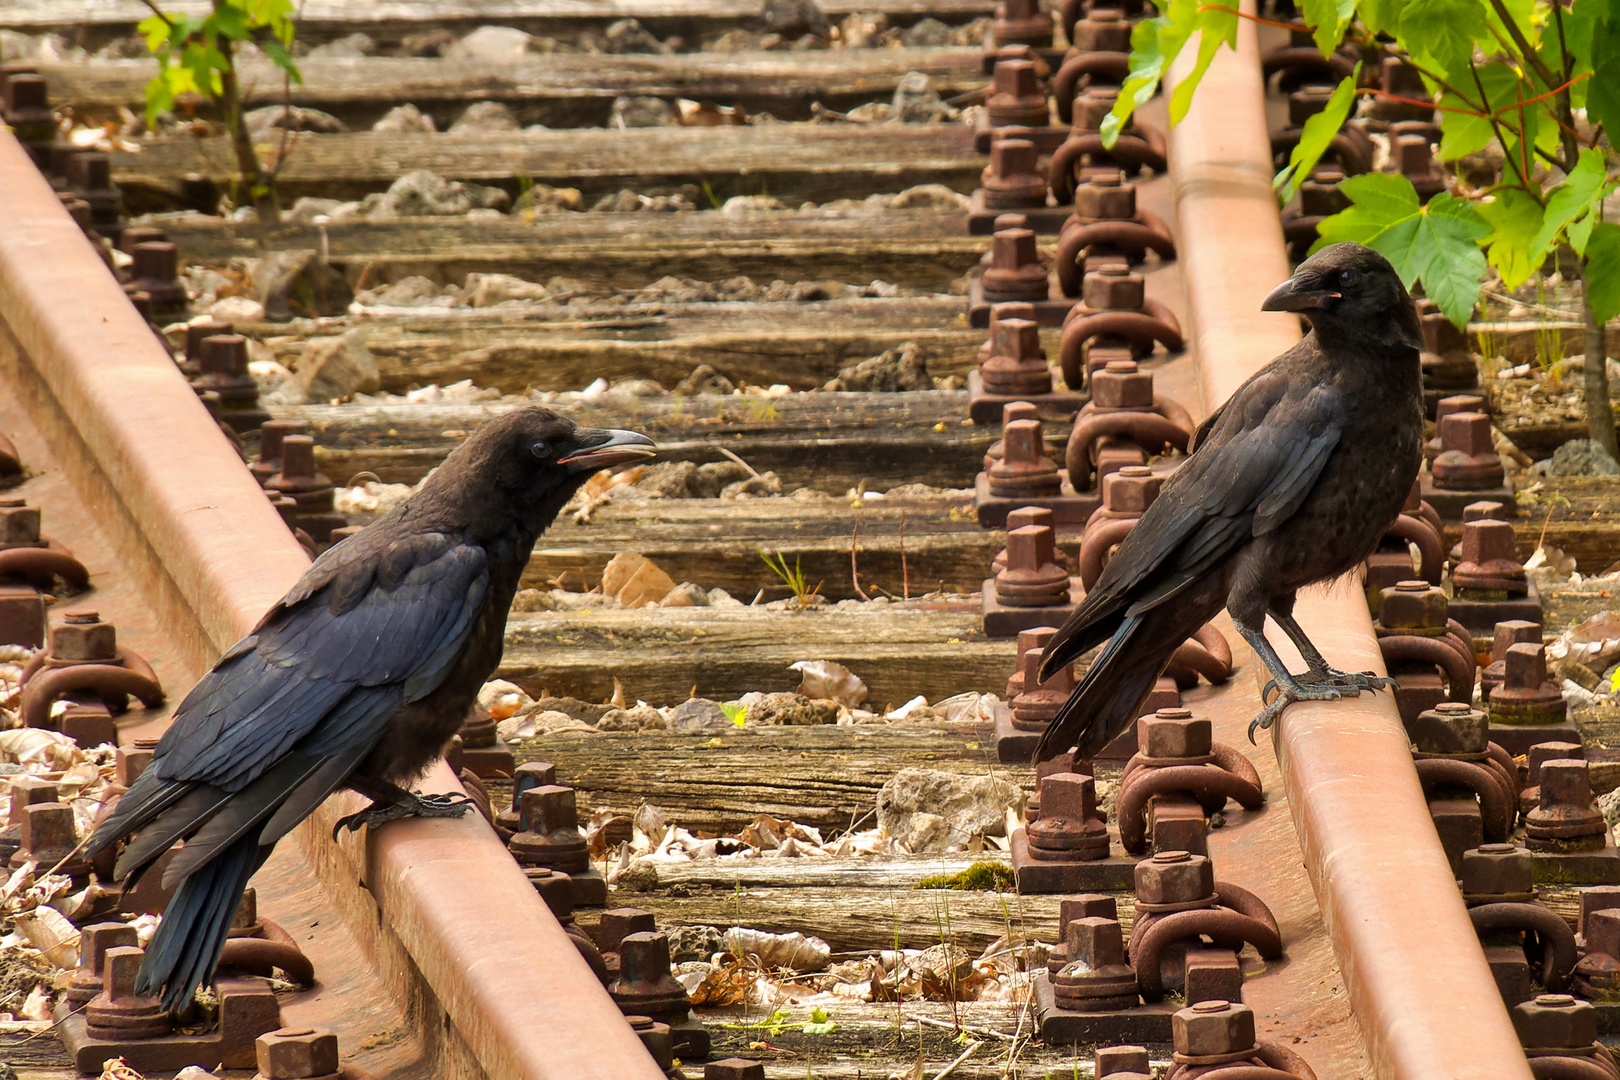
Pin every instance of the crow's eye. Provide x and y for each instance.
(541, 449)
(1348, 278)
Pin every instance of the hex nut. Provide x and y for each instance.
(1555, 1021)
(1497, 870)
(1213, 1027)
(293, 1053)
(1174, 733)
(1174, 877)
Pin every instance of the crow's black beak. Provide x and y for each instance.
(606, 447)
(1297, 295)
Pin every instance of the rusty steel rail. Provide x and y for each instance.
(1419, 986)
(492, 984)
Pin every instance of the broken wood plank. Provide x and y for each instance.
(660, 654)
(790, 161)
(831, 441)
(720, 780)
(871, 872)
(553, 347)
(560, 90)
(921, 249)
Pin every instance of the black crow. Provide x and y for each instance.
(1294, 480)
(357, 678)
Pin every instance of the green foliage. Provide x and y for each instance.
(194, 53)
(1504, 73)
(1603, 270)
(980, 877)
(792, 577)
(1437, 243)
(1314, 139)
(820, 1023)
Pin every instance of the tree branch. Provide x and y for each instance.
(1528, 55)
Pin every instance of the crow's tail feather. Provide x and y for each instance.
(1109, 698)
(190, 938)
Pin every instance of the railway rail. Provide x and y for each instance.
(432, 951)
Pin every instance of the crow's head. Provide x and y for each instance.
(1347, 290)
(533, 458)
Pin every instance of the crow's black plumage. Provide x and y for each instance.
(1294, 480)
(357, 678)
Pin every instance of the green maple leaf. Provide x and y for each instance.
(1603, 270)
(1573, 204)
(1317, 135)
(1436, 32)
(1515, 218)
(1437, 244)
(1328, 19)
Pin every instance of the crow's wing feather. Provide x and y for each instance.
(321, 645)
(1255, 462)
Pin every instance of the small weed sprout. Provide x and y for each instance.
(793, 578)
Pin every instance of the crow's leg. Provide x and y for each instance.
(1320, 672)
(390, 802)
(1290, 689)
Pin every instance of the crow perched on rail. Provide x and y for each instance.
(1293, 481)
(357, 678)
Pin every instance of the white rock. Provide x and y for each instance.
(491, 45)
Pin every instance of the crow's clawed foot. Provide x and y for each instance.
(1361, 680)
(413, 805)
(1290, 694)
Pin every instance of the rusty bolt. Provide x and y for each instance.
(1025, 470)
(1555, 1022)
(1102, 30)
(1069, 828)
(1017, 363)
(82, 637)
(1414, 607)
(1306, 102)
(1034, 638)
(1094, 941)
(1121, 1059)
(1440, 336)
(47, 834)
(1016, 96)
(1493, 870)
(1451, 727)
(1015, 271)
(1174, 733)
(19, 524)
(1600, 931)
(1113, 288)
(1319, 195)
(734, 1069)
(1090, 107)
(1511, 632)
(550, 836)
(1541, 753)
(271, 434)
(1104, 195)
(1566, 818)
(1032, 577)
(1467, 458)
(296, 1053)
(1035, 706)
(196, 334)
(1087, 906)
(1526, 695)
(619, 923)
(1122, 385)
(1402, 78)
(1021, 23)
(1011, 181)
(1489, 560)
(1213, 1027)
(120, 965)
(1128, 492)
(1174, 877)
(29, 791)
